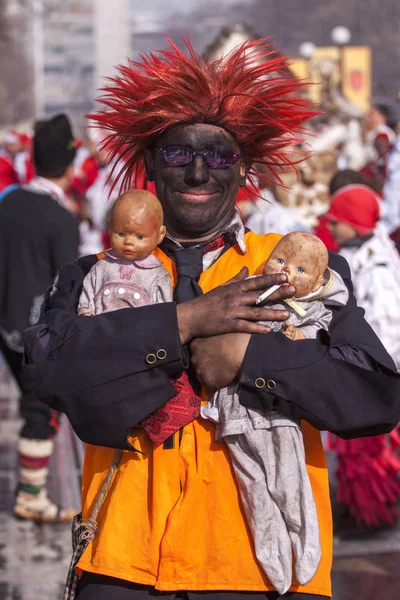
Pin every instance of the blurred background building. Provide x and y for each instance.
(58, 51)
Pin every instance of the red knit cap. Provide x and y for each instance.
(356, 205)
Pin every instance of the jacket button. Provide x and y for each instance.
(259, 382)
(161, 354)
(151, 359)
(271, 384)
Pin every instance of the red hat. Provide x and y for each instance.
(382, 136)
(356, 205)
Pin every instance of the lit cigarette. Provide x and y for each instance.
(268, 293)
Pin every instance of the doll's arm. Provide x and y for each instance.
(86, 306)
(319, 320)
(163, 291)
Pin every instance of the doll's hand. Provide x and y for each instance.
(292, 332)
(87, 315)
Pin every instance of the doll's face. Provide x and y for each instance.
(136, 225)
(303, 258)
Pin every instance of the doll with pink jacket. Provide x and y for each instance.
(129, 275)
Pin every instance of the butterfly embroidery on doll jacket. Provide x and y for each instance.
(126, 272)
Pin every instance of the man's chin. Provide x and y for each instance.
(194, 220)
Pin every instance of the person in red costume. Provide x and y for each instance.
(8, 173)
(339, 180)
(368, 468)
(24, 164)
(375, 171)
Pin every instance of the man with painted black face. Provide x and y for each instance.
(171, 522)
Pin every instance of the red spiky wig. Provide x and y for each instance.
(250, 93)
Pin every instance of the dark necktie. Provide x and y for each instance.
(189, 266)
(185, 406)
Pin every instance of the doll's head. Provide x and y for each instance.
(136, 224)
(303, 258)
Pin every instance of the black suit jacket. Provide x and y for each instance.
(95, 369)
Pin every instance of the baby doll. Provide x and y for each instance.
(129, 275)
(266, 447)
(304, 259)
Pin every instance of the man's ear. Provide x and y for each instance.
(149, 165)
(242, 174)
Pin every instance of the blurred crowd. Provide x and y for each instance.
(364, 151)
(346, 189)
(341, 152)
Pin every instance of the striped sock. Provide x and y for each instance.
(32, 501)
(33, 460)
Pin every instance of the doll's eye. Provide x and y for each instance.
(280, 261)
(300, 270)
(120, 234)
(140, 237)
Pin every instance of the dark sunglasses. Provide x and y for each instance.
(177, 156)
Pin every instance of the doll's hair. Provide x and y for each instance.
(250, 93)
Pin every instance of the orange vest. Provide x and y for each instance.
(172, 517)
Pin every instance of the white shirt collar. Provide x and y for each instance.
(45, 186)
(235, 226)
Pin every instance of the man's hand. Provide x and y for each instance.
(217, 360)
(230, 308)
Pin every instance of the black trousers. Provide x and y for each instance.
(39, 421)
(100, 587)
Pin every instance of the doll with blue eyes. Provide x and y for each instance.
(129, 275)
(304, 259)
(266, 447)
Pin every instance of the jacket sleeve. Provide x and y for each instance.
(344, 381)
(103, 372)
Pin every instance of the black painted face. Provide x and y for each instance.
(197, 201)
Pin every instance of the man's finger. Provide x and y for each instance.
(244, 326)
(285, 291)
(241, 276)
(249, 298)
(263, 282)
(261, 313)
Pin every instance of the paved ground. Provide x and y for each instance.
(34, 559)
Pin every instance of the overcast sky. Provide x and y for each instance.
(155, 18)
(170, 6)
